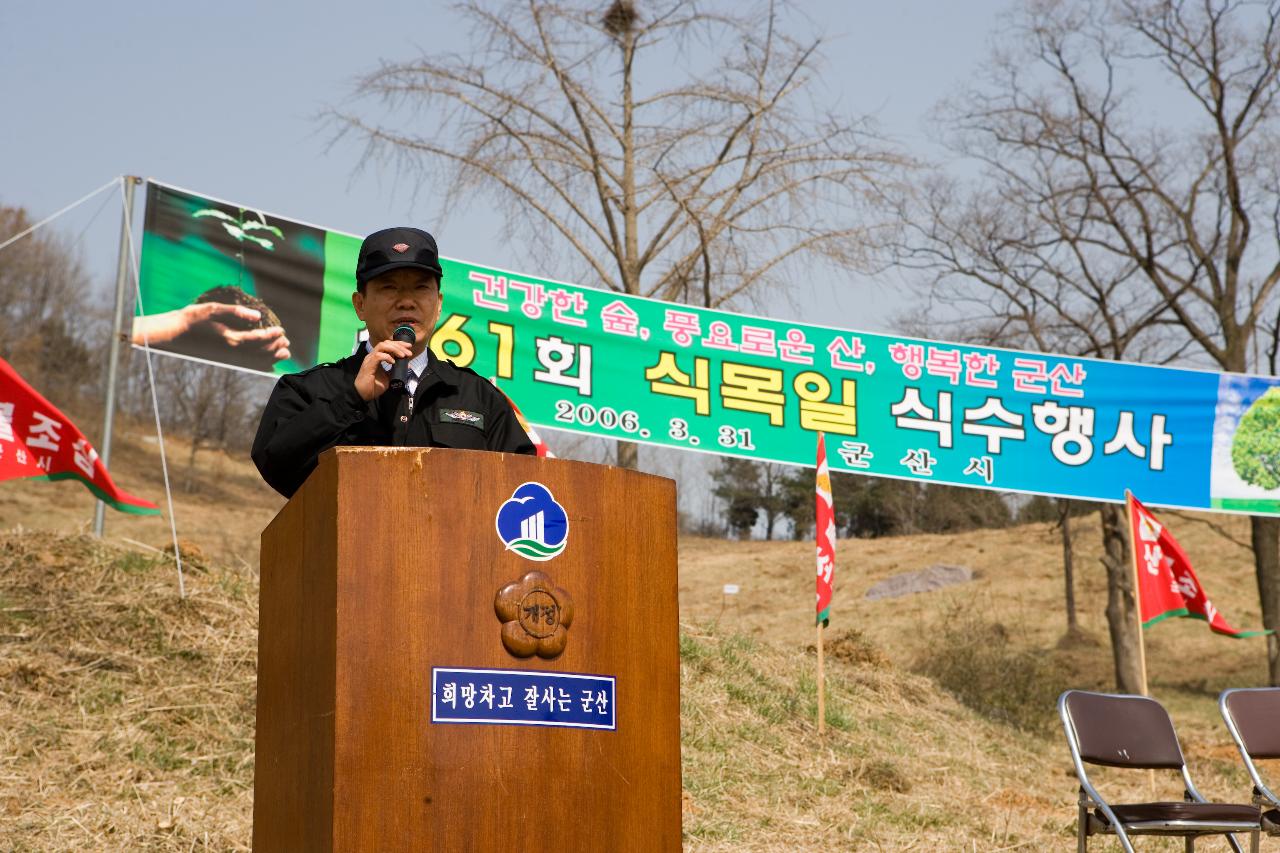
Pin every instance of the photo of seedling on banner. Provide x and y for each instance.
(248, 290)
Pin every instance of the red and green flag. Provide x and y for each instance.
(1167, 586)
(37, 440)
(825, 534)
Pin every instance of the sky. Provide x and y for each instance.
(223, 99)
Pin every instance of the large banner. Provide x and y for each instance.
(235, 286)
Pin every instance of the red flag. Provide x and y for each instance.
(825, 534)
(37, 440)
(1166, 584)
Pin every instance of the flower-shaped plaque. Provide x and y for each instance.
(535, 615)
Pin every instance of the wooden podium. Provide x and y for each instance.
(392, 714)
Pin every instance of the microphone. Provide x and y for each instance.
(400, 369)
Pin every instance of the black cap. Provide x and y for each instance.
(396, 248)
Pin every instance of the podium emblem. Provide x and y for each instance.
(532, 524)
(535, 615)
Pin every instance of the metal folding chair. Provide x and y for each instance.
(1136, 732)
(1252, 716)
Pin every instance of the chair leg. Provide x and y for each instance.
(1255, 839)
(1190, 842)
(1123, 838)
(1082, 830)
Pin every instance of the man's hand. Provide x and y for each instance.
(372, 380)
(166, 327)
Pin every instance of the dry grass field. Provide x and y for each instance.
(126, 715)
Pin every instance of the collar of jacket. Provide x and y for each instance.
(438, 372)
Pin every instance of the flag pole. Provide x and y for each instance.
(1137, 597)
(824, 539)
(822, 693)
(113, 349)
(1137, 610)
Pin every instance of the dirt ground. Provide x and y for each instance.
(126, 715)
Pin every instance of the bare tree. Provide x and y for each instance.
(669, 149)
(49, 318)
(216, 408)
(1068, 569)
(1129, 152)
(737, 484)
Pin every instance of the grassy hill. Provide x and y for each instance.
(126, 714)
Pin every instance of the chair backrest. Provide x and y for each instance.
(1255, 713)
(1120, 730)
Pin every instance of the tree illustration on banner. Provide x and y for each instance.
(1167, 586)
(1255, 449)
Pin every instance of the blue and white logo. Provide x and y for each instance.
(532, 524)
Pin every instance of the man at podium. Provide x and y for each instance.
(369, 397)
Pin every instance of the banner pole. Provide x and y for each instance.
(113, 351)
(822, 694)
(1137, 596)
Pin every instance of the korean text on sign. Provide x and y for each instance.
(522, 698)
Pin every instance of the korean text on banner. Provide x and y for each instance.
(636, 369)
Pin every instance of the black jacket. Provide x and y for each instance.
(310, 412)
